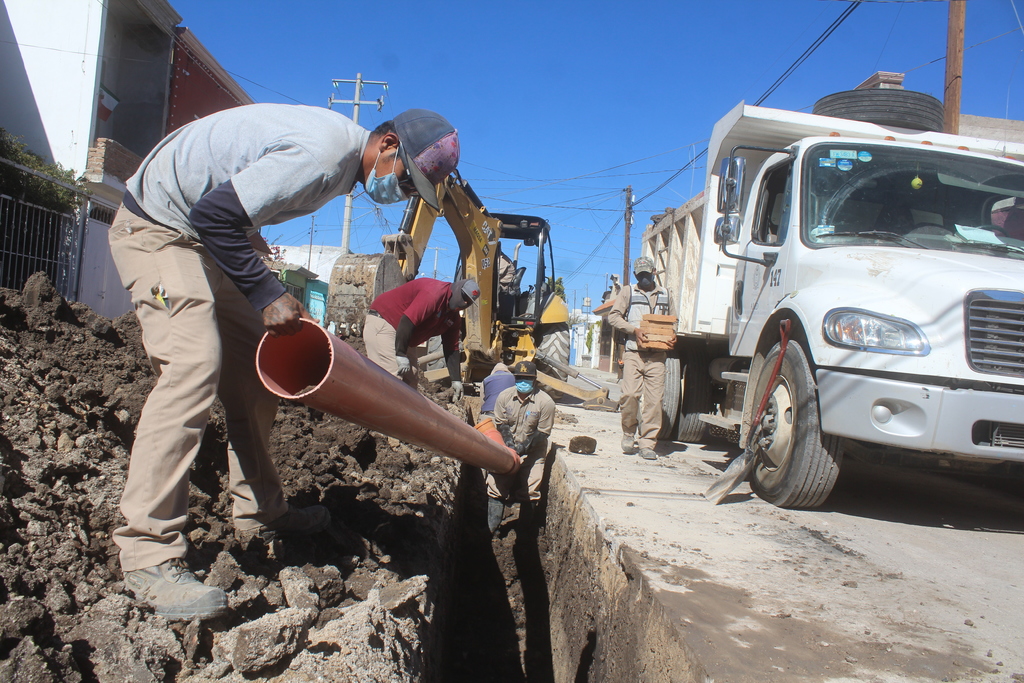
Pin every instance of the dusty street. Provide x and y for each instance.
(901, 576)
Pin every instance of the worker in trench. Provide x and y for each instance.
(185, 243)
(402, 318)
(524, 416)
(498, 381)
(643, 370)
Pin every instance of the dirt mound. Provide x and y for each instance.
(353, 598)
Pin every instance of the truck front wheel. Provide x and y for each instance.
(796, 465)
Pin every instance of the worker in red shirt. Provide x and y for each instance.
(405, 317)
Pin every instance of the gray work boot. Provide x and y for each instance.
(175, 594)
(629, 444)
(495, 511)
(297, 521)
(648, 454)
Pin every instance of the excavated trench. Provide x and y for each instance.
(406, 585)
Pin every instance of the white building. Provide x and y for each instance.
(94, 86)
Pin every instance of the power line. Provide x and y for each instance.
(939, 59)
(546, 180)
(289, 97)
(586, 175)
(809, 51)
(548, 206)
(888, 37)
(673, 176)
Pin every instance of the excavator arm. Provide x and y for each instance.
(477, 233)
(356, 279)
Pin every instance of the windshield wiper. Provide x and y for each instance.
(880, 234)
(991, 246)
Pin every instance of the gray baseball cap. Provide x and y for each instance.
(429, 150)
(464, 293)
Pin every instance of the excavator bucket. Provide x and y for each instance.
(356, 280)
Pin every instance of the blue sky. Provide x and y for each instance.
(562, 105)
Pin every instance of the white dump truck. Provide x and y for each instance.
(896, 255)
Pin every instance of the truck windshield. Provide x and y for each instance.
(917, 198)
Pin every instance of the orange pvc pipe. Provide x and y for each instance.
(487, 428)
(316, 368)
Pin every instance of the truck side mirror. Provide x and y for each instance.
(730, 184)
(727, 230)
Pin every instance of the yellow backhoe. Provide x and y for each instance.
(509, 323)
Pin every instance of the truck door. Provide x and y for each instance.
(759, 288)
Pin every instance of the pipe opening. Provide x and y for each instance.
(294, 366)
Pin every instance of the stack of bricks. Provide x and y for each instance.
(660, 331)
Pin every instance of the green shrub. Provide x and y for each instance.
(24, 186)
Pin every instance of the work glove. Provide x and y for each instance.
(457, 392)
(403, 365)
(522, 446)
(506, 435)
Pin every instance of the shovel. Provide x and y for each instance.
(739, 468)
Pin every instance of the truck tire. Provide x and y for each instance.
(796, 465)
(695, 393)
(898, 108)
(670, 401)
(554, 343)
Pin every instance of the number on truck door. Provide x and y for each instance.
(769, 229)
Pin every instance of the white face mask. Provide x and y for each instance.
(384, 190)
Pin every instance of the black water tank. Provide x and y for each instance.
(886, 107)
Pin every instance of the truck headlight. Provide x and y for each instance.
(865, 331)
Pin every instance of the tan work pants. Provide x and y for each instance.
(201, 339)
(379, 338)
(643, 374)
(510, 487)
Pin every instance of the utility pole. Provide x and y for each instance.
(625, 248)
(309, 261)
(954, 66)
(436, 249)
(346, 228)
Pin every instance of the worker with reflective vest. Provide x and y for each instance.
(643, 370)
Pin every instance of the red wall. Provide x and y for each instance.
(195, 90)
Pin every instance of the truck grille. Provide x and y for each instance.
(1006, 435)
(998, 434)
(995, 332)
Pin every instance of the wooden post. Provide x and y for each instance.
(626, 269)
(954, 66)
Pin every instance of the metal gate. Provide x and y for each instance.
(33, 238)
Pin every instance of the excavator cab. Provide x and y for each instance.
(518, 302)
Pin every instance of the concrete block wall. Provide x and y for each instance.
(109, 157)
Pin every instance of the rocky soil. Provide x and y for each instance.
(352, 603)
